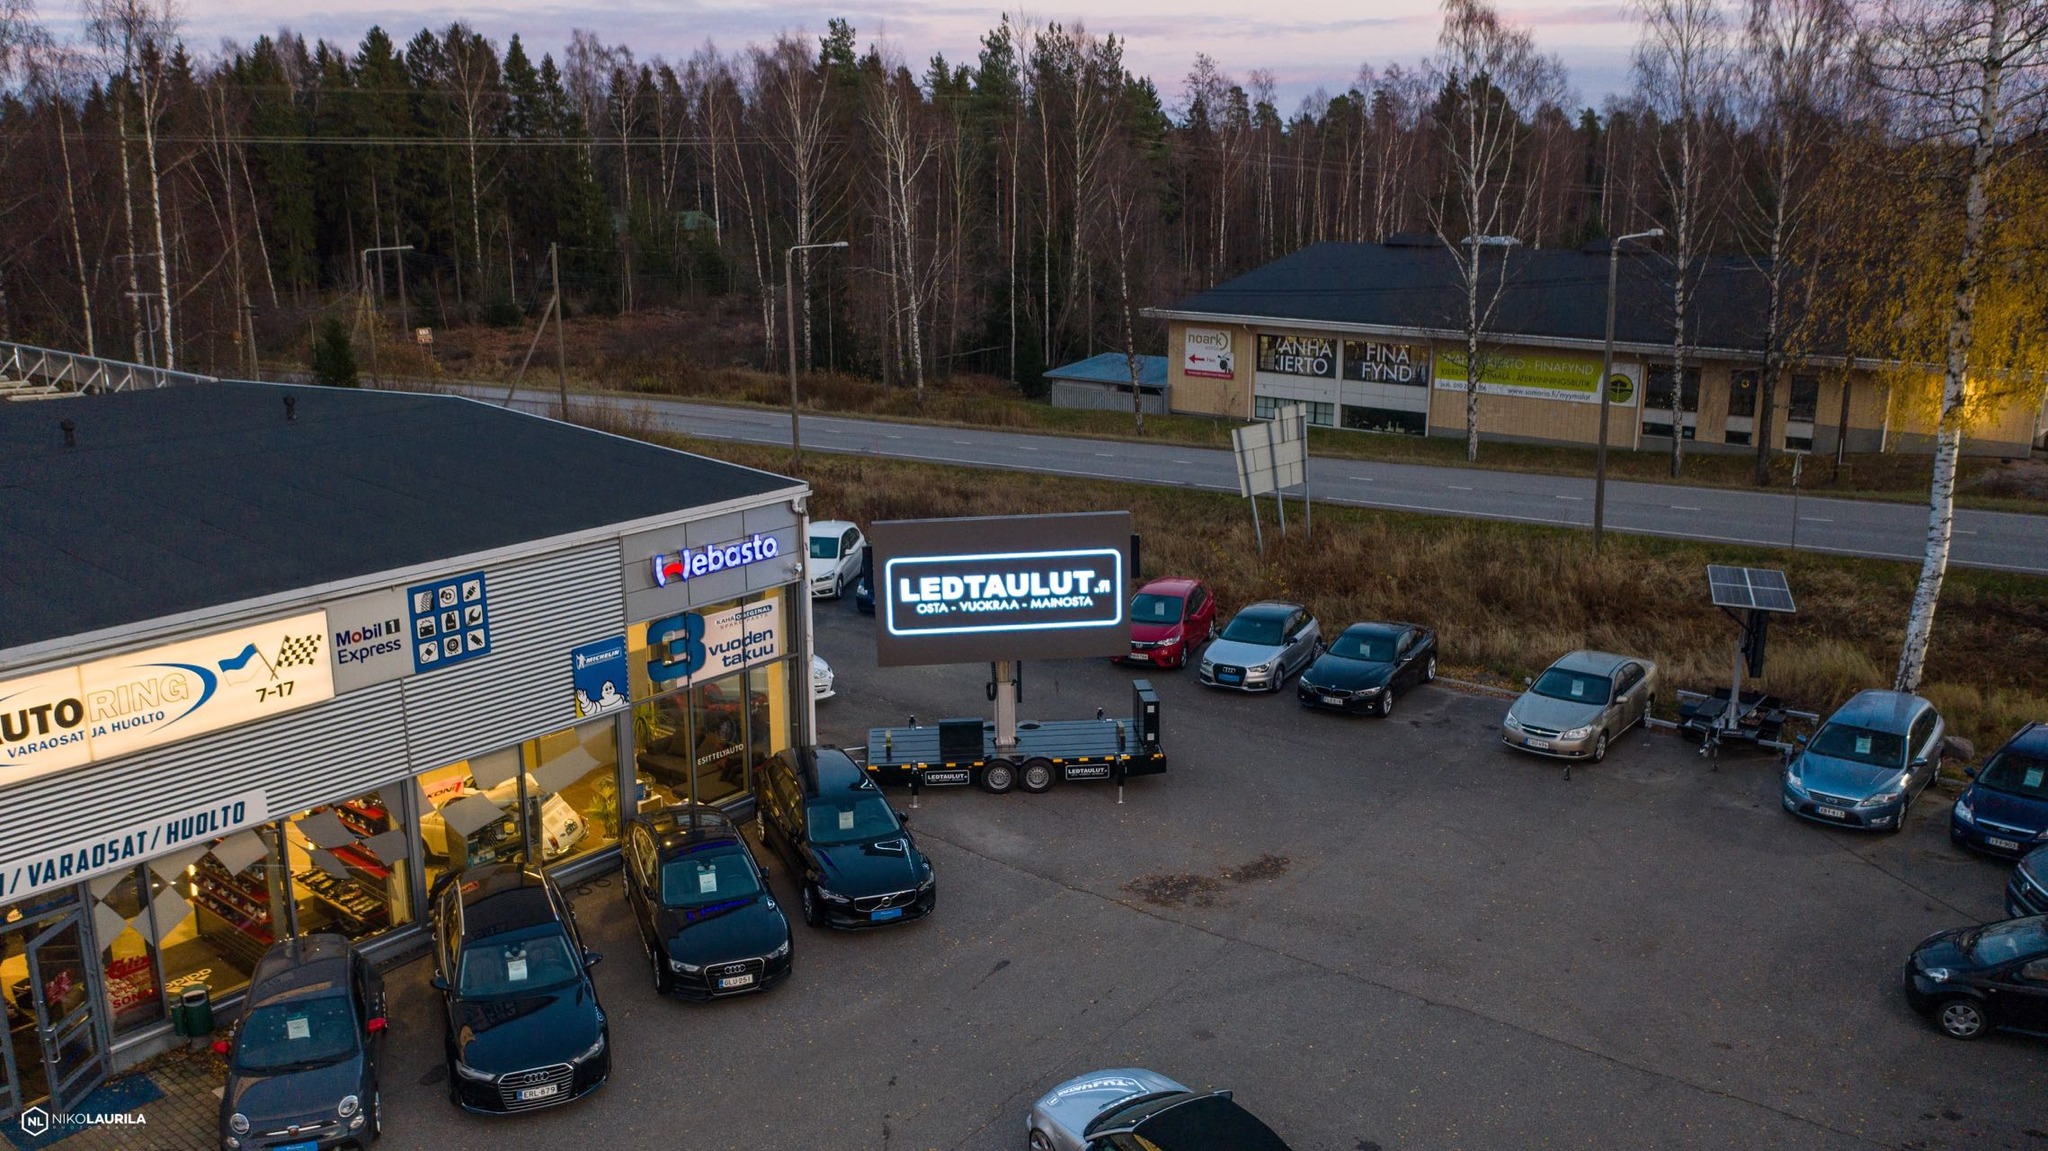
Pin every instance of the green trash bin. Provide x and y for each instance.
(195, 1004)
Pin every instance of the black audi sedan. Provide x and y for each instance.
(302, 1063)
(1367, 665)
(522, 1027)
(707, 920)
(855, 863)
(1970, 980)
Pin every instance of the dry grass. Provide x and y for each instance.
(1508, 598)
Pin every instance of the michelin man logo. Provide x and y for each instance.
(608, 699)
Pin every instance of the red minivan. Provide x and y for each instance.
(1170, 617)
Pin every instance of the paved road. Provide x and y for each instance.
(1440, 945)
(1852, 527)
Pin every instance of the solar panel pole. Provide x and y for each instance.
(1606, 373)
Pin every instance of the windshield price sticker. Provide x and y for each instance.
(296, 1027)
(1001, 592)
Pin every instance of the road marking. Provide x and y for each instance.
(1362, 479)
(1105, 455)
(891, 436)
(1456, 488)
(1022, 448)
(1964, 532)
(1683, 508)
(1579, 498)
(963, 443)
(1183, 461)
(1816, 520)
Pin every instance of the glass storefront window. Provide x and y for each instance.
(700, 740)
(216, 908)
(348, 863)
(121, 922)
(575, 775)
(469, 813)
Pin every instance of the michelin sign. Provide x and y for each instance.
(1002, 587)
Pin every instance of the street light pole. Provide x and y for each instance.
(370, 316)
(796, 451)
(1606, 372)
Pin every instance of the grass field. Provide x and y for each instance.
(1507, 598)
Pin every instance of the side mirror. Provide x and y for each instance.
(592, 959)
(220, 1047)
(1528, 681)
(1969, 773)
(1920, 762)
(375, 1024)
(902, 816)
(439, 983)
(1800, 740)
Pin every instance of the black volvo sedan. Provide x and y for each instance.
(522, 1028)
(1367, 666)
(855, 863)
(706, 918)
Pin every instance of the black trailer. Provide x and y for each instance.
(957, 752)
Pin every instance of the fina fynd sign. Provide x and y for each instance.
(145, 699)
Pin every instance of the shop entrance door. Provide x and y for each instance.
(74, 1058)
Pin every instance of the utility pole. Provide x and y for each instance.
(1607, 372)
(561, 361)
(796, 451)
(370, 309)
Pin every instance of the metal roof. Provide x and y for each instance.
(1112, 368)
(183, 499)
(1553, 296)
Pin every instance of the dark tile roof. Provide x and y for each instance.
(1556, 294)
(182, 498)
(1111, 368)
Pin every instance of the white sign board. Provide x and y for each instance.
(709, 645)
(1272, 455)
(125, 846)
(144, 699)
(1205, 352)
(370, 639)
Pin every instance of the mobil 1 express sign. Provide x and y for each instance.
(1001, 588)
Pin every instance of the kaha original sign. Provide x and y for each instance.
(145, 699)
(1002, 587)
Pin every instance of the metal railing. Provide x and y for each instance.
(73, 372)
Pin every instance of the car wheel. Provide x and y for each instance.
(998, 776)
(376, 1116)
(1600, 748)
(1036, 776)
(1040, 1141)
(1183, 660)
(1429, 669)
(654, 965)
(1962, 1018)
(1387, 702)
(810, 902)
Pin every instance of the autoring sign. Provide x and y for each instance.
(1001, 588)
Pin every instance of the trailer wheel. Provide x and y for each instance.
(998, 776)
(1037, 775)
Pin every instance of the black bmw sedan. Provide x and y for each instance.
(1367, 666)
(522, 1028)
(706, 919)
(1970, 980)
(302, 1063)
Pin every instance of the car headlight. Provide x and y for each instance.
(468, 1072)
(593, 1051)
(348, 1105)
(1258, 669)
(929, 880)
(1208, 666)
(1888, 795)
(1510, 722)
(781, 951)
(681, 968)
(1964, 810)
(1371, 690)
(1578, 732)
(1939, 974)
(238, 1123)
(830, 896)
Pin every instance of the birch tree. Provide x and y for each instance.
(1489, 75)
(1681, 66)
(140, 34)
(899, 120)
(1968, 83)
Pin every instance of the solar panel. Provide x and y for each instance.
(1760, 589)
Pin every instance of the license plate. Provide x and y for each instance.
(544, 1091)
(1542, 743)
(2002, 844)
(1227, 677)
(888, 913)
(736, 981)
(1832, 812)
(308, 1145)
(1333, 701)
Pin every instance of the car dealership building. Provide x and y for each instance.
(274, 658)
(1371, 337)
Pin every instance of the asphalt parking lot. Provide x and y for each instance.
(1379, 933)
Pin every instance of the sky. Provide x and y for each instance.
(1306, 44)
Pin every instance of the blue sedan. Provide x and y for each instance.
(1867, 763)
(2004, 811)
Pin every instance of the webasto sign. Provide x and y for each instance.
(144, 699)
(713, 558)
(1004, 587)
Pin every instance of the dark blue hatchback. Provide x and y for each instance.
(2004, 811)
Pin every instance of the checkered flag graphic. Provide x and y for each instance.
(298, 651)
